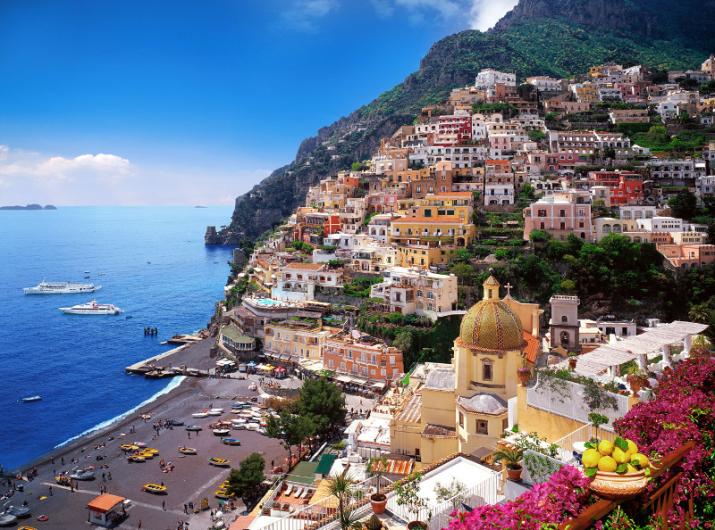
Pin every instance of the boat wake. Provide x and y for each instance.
(174, 383)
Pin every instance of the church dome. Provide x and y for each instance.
(490, 325)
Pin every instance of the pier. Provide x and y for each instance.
(191, 358)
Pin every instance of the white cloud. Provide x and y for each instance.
(303, 14)
(480, 14)
(27, 176)
(485, 13)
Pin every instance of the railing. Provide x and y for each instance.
(437, 514)
(566, 398)
(583, 434)
(658, 503)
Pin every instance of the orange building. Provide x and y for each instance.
(363, 356)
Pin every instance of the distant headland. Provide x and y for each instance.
(29, 207)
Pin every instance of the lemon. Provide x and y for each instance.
(605, 447)
(590, 458)
(630, 469)
(632, 447)
(620, 456)
(639, 460)
(606, 463)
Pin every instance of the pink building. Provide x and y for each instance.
(560, 214)
(687, 256)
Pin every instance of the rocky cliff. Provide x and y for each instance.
(553, 37)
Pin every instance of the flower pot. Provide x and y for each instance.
(513, 473)
(378, 502)
(572, 363)
(417, 525)
(618, 487)
(635, 384)
(524, 375)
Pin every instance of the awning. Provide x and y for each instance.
(379, 385)
(343, 379)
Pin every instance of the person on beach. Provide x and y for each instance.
(109, 475)
(163, 503)
(50, 491)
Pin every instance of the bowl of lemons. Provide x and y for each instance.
(619, 471)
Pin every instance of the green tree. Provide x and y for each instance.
(683, 205)
(342, 487)
(324, 403)
(290, 429)
(403, 341)
(245, 482)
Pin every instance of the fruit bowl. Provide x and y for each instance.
(616, 486)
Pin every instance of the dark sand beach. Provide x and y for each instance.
(191, 479)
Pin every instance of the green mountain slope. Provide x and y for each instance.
(555, 37)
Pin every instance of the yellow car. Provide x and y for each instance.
(158, 489)
(218, 461)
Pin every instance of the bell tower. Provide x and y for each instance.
(564, 323)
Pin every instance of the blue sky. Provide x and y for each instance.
(154, 102)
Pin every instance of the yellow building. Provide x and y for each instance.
(296, 340)
(462, 406)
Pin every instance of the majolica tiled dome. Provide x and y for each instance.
(490, 325)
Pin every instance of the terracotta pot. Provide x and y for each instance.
(635, 384)
(618, 487)
(524, 375)
(514, 473)
(378, 502)
(572, 363)
(417, 525)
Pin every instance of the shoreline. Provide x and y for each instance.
(123, 420)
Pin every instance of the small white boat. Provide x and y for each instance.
(91, 308)
(30, 399)
(215, 412)
(200, 415)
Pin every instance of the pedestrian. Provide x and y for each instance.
(50, 491)
(109, 475)
(104, 478)
(140, 524)
(186, 509)
(163, 503)
(188, 433)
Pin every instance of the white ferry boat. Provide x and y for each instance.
(61, 288)
(91, 308)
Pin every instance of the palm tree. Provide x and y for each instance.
(699, 313)
(342, 488)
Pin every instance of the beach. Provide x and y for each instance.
(191, 480)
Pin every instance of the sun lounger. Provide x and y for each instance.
(289, 490)
(298, 493)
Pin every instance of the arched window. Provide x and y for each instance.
(487, 370)
(564, 318)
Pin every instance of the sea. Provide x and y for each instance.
(150, 261)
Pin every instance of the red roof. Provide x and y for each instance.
(531, 349)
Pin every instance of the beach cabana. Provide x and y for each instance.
(106, 510)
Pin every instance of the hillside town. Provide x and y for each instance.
(396, 282)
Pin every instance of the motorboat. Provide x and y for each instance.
(30, 399)
(61, 288)
(7, 519)
(187, 451)
(221, 432)
(20, 512)
(215, 412)
(200, 415)
(231, 441)
(82, 474)
(91, 308)
(194, 428)
(219, 462)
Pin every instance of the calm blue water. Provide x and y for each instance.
(77, 362)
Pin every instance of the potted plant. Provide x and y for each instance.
(572, 360)
(511, 459)
(636, 381)
(376, 467)
(407, 494)
(524, 374)
(342, 488)
(373, 523)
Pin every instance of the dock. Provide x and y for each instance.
(192, 358)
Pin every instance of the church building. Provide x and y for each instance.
(464, 405)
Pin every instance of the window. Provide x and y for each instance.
(487, 372)
(482, 427)
(564, 318)
(504, 424)
(461, 419)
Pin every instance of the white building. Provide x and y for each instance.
(660, 224)
(636, 212)
(498, 194)
(488, 78)
(705, 187)
(677, 172)
(544, 83)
